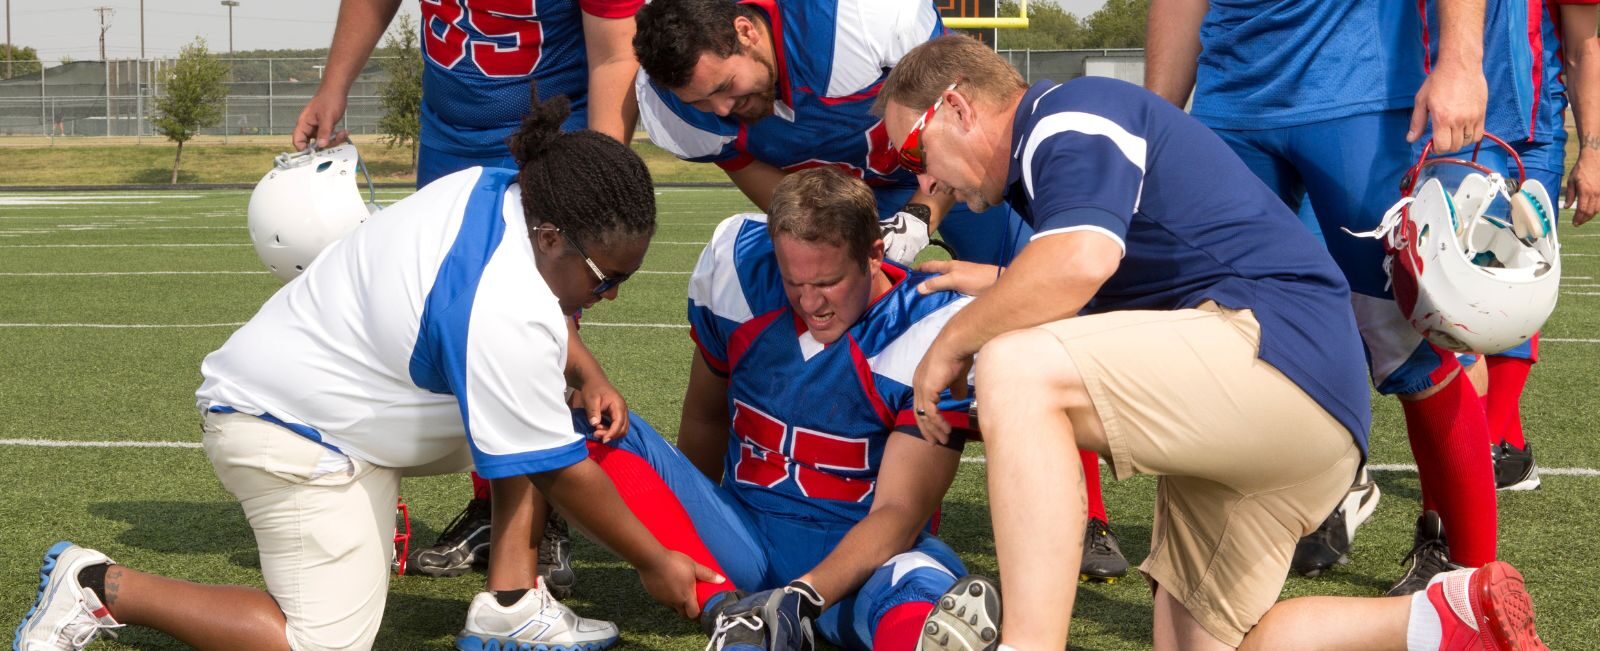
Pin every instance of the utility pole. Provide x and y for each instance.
(230, 4)
(105, 12)
(141, 29)
(8, 41)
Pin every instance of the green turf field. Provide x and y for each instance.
(108, 301)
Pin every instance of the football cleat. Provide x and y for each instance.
(1487, 608)
(64, 615)
(967, 618)
(537, 622)
(1429, 556)
(1329, 545)
(1514, 469)
(464, 543)
(555, 557)
(1102, 557)
(777, 620)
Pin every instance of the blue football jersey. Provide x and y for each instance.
(1195, 225)
(1268, 64)
(832, 57)
(1512, 64)
(810, 422)
(480, 55)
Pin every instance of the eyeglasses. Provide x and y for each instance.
(911, 154)
(607, 283)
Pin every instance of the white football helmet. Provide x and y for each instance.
(1474, 269)
(309, 200)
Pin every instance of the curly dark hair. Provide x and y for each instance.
(593, 188)
(671, 36)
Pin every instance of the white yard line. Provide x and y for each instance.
(138, 273)
(118, 326)
(585, 323)
(122, 246)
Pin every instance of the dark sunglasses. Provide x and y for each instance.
(607, 283)
(911, 154)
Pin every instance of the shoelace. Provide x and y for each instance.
(1101, 540)
(726, 624)
(88, 627)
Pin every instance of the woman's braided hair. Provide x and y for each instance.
(593, 188)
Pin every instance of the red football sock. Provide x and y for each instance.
(1507, 376)
(1091, 479)
(1449, 439)
(480, 487)
(651, 500)
(901, 627)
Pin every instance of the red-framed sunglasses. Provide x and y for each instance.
(911, 154)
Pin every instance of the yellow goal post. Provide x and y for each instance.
(1019, 21)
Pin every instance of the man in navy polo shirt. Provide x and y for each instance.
(1171, 314)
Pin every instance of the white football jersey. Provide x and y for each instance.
(426, 331)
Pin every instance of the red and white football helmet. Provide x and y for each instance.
(1474, 260)
(309, 200)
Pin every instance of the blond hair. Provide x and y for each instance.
(926, 71)
(825, 205)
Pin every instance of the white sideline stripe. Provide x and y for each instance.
(150, 273)
(1580, 293)
(1569, 341)
(240, 323)
(1397, 467)
(121, 325)
(116, 246)
(47, 443)
(683, 243)
(227, 273)
(585, 324)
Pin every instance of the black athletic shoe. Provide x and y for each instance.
(1514, 469)
(555, 558)
(1102, 557)
(465, 542)
(1429, 556)
(1329, 545)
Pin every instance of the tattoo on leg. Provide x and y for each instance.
(113, 583)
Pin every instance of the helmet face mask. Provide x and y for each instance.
(1474, 258)
(306, 202)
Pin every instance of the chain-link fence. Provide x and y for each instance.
(1063, 65)
(117, 98)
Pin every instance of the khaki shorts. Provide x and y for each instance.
(324, 526)
(1248, 463)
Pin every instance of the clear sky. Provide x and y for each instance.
(72, 27)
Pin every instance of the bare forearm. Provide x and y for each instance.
(585, 495)
(1461, 34)
(1583, 74)
(361, 24)
(613, 108)
(938, 206)
(581, 363)
(757, 180)
(1052, 279)
(869, 544)
(705, 426)
(1172, 51)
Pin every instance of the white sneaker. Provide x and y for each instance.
(64, 616)
(536, 623)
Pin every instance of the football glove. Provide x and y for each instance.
(904, 236)
(780, 620)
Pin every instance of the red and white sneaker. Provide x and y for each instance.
(1477, 609)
